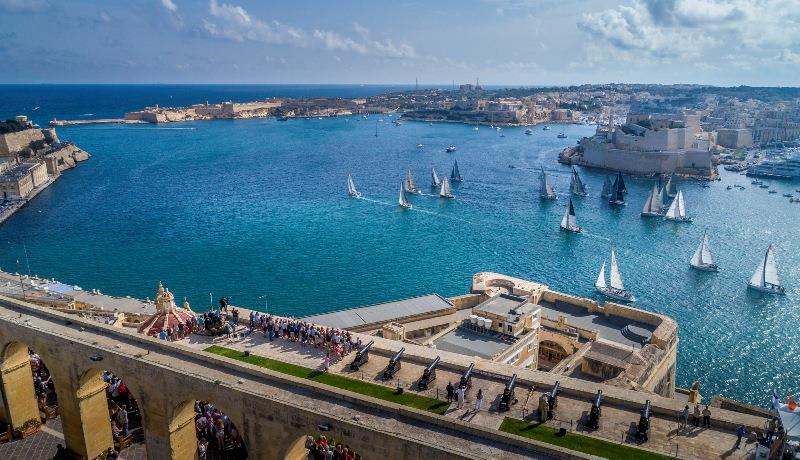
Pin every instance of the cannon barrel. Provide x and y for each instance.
(644, 422)
(362, 356)
(394, 364)
(428, 374)
(508, 394)
(466, 377)
(556, 389)
(595, 411)
(598, 400)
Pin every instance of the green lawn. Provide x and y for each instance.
(579, 442)
(356, 386)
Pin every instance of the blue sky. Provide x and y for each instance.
(513, 42)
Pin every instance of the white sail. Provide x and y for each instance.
(351, 187)
(662, 196)
(616, 278)
(771, 268)
(435, 182)
(681, 205)
(546, 188)
(565, 219)
(403, 202)
(601, 278)
(411, 186)
(672, 212)
(757, 279)
(697, 258)
(705, 252)
(445, 191)
(669, 190)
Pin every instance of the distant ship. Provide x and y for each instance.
(446, 191)
(702, 258)
(435, 181)
(455, 175)
(576, 186)
(765, 278)
(529, 132)
(450, 149)
(786, 169)
(403, 202)
(615, 289)
(351, 188)
(677, 210)
(653, 205)
(569, 222)
(562, 135)
(546, 187)
(545, 128)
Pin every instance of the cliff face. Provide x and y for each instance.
(65, 158)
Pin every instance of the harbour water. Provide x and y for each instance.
(250, 208)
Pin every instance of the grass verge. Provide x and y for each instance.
(579, 442)
(357, 386)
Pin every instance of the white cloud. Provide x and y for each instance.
(235, 23)
(659, 30)
(169, 5)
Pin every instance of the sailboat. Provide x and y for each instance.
(445, 191)
(607, 188)
(545, 128)
(576, 186)
(765, 278)
(546, 188)
(702, 258)
(621, 182)
(662, 196)
(403, 202)
(455, 175)
(568, 222)
(450, 149)
(410, 185)
(617, 197)
(616, 290)
(562, 135)
(435, 182)
(652, 207)
(351, 188)
(670, 187)
(677, 210)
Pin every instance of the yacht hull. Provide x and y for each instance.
(778, 290)
(625, 297)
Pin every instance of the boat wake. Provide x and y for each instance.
(375, 201)
(595, 236)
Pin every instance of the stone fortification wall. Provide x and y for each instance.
(463, 302)
(13, 143)
(666, 332)
(554, 296)
(64, 158)
(599, 154)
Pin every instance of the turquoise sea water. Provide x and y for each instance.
(253, 207)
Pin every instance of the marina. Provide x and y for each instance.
(284, 227)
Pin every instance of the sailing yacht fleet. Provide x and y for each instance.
(765, 278)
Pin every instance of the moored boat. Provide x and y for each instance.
(765, 278)
(450, 149)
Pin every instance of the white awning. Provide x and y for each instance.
(790, 421)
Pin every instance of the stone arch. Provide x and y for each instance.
(296, 450)
(183, 438)
(18, 402)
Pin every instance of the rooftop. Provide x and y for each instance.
(469, 343)
(620, 330)
(501, 304)
(382, 312)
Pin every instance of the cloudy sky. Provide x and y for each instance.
(514, 42)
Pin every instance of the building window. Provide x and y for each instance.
(510, 328)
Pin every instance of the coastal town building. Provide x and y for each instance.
(18, 182)
(735, 138)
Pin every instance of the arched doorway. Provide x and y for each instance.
(199, 426)
(550, 354)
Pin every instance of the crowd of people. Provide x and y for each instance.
(43, 386)
(124, 415)
(215, 431)
(329, 449)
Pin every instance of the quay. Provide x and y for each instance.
(98, 121)
(166, 375)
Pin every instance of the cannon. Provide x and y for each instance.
(394, 365)
(552, 399)
(644, 422)
(508, 394)
(362, 356)
(595, 411)
(428, 375)
(466, 378)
